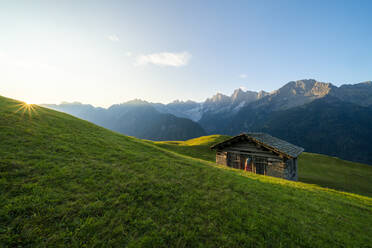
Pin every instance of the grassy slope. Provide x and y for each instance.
(317, 169)
(66, 182)
(197, 148)
(335, 173)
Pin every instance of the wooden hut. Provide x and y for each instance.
(259, 153)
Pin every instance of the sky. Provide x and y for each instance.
(107, 52)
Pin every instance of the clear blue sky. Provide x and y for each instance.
(105, 52)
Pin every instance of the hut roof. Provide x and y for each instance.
(266, 140)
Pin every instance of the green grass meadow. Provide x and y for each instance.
(65, 182)
(326, 171)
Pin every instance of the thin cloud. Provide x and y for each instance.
(113, 38)
(164, 59)
(128, 54)
(243, 75)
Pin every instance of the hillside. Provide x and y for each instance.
(197, 147)
(317, 169)
(327, 126)
(65, 182)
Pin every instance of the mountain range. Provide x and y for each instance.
(318, 116)
(135, 118)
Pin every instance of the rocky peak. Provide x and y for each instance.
(72, 103)
(135, 102)
(239, 96)
(218, 98)
(116, 108)
(180, 102)
(262, 94)
(237, 93)
(306, 87)
(295, 93)
(360, 93)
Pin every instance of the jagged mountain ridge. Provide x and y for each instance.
(360, 94)
(219, 103)
(292, 94)
(243, 111)
(295, 93)
(189, 109)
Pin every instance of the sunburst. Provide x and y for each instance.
(27, 108)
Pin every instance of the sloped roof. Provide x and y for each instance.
(266, 140)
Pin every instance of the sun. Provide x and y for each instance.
(28, 108)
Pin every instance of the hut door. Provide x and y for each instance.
(242, 162)
(260, 169)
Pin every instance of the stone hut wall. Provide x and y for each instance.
(291, 172)
(275, 168)
(221, 158)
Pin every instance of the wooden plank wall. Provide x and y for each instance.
(276, 166)
(252, 149)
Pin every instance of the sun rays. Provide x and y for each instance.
(26, 108)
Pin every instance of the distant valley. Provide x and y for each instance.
(135, 118)
(318, 116)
